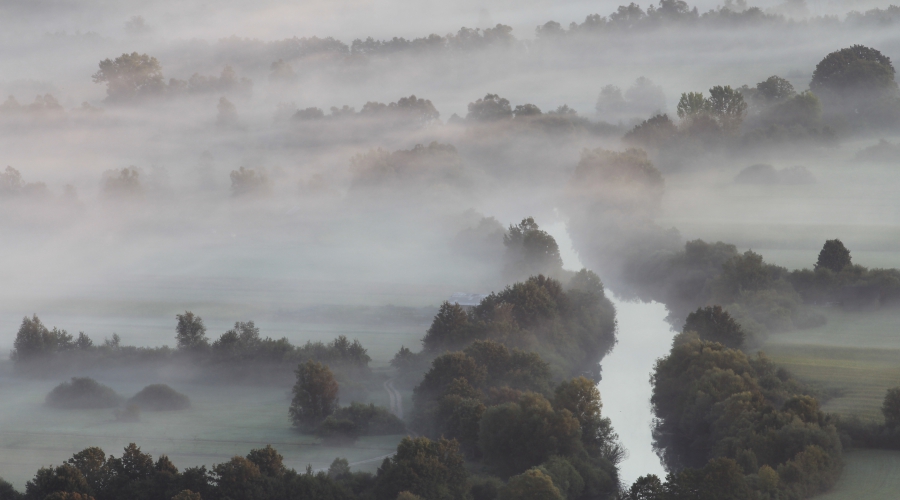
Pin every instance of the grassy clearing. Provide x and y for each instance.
(869, 475)
(222, 422)
(853, 359)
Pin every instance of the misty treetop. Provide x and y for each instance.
(238, 353)
(572, 328)
(137, 77)
(717, 407)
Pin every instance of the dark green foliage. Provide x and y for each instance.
(716, 407)
(516, 436)
(35, 341)
(647, 487)
(891, 407)
(160, 397)
(490, 109)
(715, 325)
(371, 420)
(654, 133)
(565, 477)
(7, 492)
(49, 480)
(430, 469)
(854, 69)
(190, 333)
(530, 251)
(581, 398)
(532, 484)
(484, 487)
(315, 395)
(82, 393)
(358, 419)
(449, 330)
(833, 256)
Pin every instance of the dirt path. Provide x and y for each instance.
(395, 398)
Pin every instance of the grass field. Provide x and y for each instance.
(868, 475)
(853, 359)
(222, 422)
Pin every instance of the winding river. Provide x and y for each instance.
(643, 337)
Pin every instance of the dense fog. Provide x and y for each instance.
(342, 168)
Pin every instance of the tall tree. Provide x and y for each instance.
(315, 394)
(834, 255)
(131, 77)
(190, 332)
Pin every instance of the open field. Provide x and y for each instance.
(853, 359)
(869, 475)
(222, 422)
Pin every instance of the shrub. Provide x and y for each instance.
(160, 397)
(82, 393)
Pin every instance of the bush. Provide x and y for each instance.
(82, 393)
(160, 397)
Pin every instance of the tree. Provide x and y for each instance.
(91, 462)
(857, 69)
(834, 256)
(32, 340)
(516, 436)
(490, 109)
(581, 398)
(315, 394)
(227, 113)
(430, 469)
(130, 77)
(690, 104)
(891, 407)
(64, 478)
(647, 487)
(450, 329)
(190, 332)
(775, 89)
(7, 492)
(268, 460)
(531, 251)
(530, 485)
(727, 105)
(716, 325)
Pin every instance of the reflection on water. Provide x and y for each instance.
(643, 337)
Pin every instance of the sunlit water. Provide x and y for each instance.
(643, 337)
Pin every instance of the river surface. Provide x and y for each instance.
(643, 337)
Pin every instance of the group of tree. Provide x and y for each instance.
(288, 58)
(729, 425)
(405, 113)
(496, 113)
(315, 409)
(432, 168)
(850, 88)
(572, 328)
(239, 352)
(135, 77)
(420, 469)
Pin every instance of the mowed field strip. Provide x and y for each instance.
(868, 475)
(222, 422)
(853, 360)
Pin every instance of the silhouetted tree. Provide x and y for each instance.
(489, 109)
(190, 332)
(431, 469)
(530, 251)
(450, 329)
(891, 407)
(532, 484)
(315, 395)
(715, 324)
(834, 256)
(130, 77)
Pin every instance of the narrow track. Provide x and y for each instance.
(395, 398)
